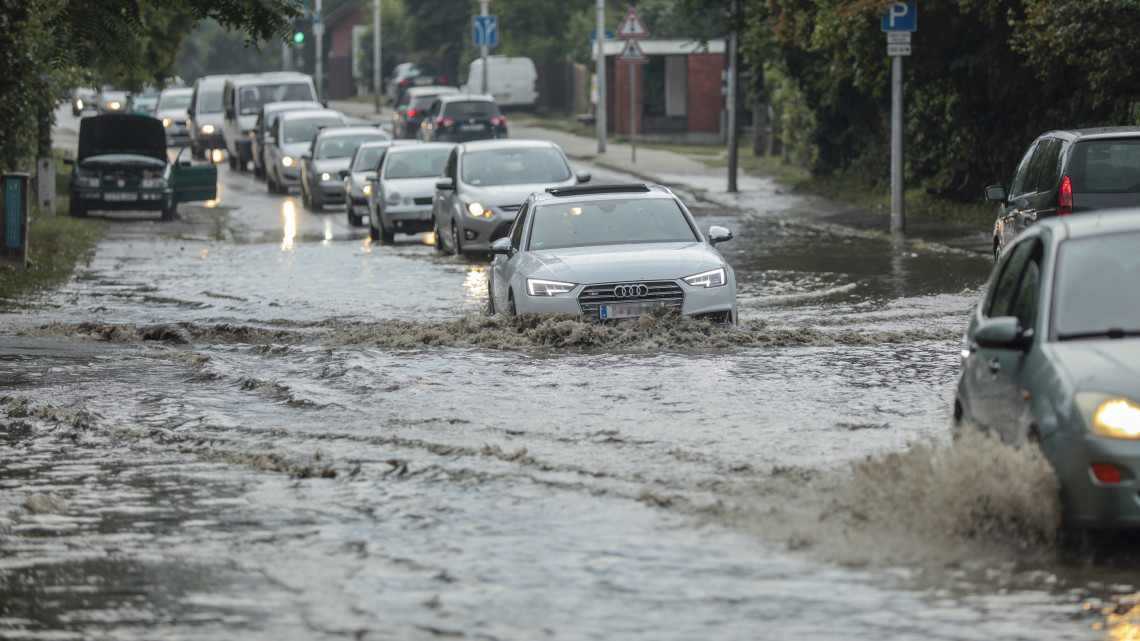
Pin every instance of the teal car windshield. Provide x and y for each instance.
(609, 222)
(1097, 293)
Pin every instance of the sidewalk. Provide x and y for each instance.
(757, 195)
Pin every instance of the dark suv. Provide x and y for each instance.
(1069, 172)
(463, 117)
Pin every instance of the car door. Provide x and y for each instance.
(1016, 203)
(505, 268)
(192, 183)
(445, 198)
(991, 376)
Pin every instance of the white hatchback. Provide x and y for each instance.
(608, 252)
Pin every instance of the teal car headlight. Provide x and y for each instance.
(1109, 415)
(712, 278)
(537, 287)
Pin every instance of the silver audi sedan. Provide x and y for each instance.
(611, 252)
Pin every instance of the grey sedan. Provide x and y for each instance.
(1052, 357)
(402, 197)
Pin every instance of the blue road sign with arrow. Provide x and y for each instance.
(485, 31)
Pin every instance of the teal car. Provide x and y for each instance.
(1052, 357)
(122, 164)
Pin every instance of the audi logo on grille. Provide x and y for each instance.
(631, 291)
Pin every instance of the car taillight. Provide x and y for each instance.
(442, 80)
(444, 123)
(498, 121)
(404, 82)
(411, 113)
(1065, 202)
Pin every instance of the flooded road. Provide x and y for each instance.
(254, 423)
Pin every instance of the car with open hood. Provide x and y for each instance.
(611, 252)
(485, 183)
(122, 164)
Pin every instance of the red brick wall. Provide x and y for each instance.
(705, 101)
(619, 121)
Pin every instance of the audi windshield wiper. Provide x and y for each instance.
(1112, 332)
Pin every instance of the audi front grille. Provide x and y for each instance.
(664, 291)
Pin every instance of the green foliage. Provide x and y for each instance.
(395, 31)
(55, 245)
(214, 49)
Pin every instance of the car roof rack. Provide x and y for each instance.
(624, 188)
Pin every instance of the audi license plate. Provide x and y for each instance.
(120, 197)
(627, 310)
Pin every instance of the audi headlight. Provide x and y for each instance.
(479, 211)
(207, 129)
(367, 190)
(713, 278)
(87, 181)
(288, 161)
(151, 183)
(536, 287)
(1109, 414)
(166, 122)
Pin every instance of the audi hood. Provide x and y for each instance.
(612, 263)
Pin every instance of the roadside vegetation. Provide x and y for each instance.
(56, 244)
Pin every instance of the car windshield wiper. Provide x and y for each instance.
(1112, 332)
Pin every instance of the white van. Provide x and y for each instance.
(512, 81)
(243, 98)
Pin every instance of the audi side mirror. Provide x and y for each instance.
(583, 177)
(718, 234)
(501, 246)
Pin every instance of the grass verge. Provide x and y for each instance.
(56, 244)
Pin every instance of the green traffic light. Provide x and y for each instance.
(299, 37)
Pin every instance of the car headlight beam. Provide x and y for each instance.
(477, 210)
(538, 287)
(367, 189)
(288, 161)
(1109, 414)
(712, 278)
(325, 176)
(207, 129)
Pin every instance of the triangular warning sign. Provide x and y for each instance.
(632, 52)
(632, 26)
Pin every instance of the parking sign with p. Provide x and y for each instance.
(901, 16)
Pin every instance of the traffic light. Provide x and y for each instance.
(298, 37)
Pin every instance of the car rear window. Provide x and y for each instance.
(514, 166)
(344, 146)
(470, 109)
(609, 222)
(1097, 285)
(1105, 166)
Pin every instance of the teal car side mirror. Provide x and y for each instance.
(1002, 332)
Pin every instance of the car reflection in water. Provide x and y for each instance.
(289, 214)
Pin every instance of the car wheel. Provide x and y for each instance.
(305, 201)
(258, 172)
(233, 161)
(373, 231)
(270, 183)
(315, 203)
(170, 212)
(456, 247)
(76, 210)
(387, 236)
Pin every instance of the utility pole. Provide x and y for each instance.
(376, 57)
(731, 89)
(319, 32)
(600, 119)
(898, 203)
(285, 56)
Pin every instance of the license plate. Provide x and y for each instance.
(627, 310)
(472, 127)
(423, 81)
(120, 197)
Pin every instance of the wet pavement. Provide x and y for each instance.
(254, 423)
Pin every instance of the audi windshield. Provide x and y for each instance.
(610, 222)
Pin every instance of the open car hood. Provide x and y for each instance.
(122, 134)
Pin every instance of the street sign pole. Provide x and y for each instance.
(376, 57)
(600, 70)
(484, 11)
(319, 32)
(632, 112)
(731, 98)
(898, 203)
(900, 20)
